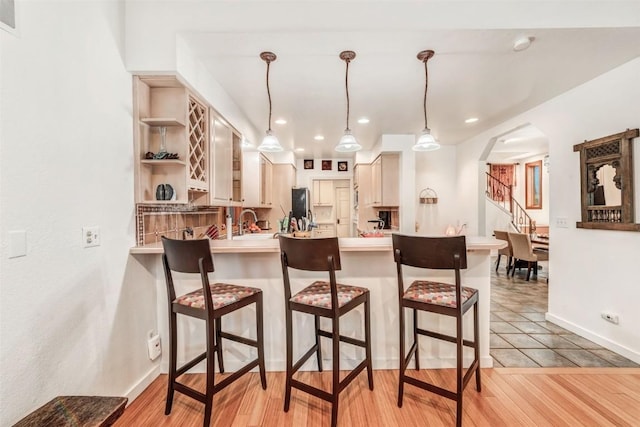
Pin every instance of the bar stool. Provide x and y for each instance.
(322, 299)
(209, 303)
(440, 253)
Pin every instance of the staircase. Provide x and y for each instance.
(502, 195)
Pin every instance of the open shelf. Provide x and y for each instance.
(162, 121)
(163, 162)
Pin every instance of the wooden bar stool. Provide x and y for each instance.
(322, 299)
(440, 253)
(209, 303)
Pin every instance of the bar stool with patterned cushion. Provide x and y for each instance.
(327, 299)
(440, 253)
(209, 303)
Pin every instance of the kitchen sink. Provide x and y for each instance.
(254, 236)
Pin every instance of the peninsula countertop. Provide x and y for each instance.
(347, 244)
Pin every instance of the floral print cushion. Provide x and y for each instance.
(318, 294)
(221, 293)
(437, 293)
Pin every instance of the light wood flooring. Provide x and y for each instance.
(509, 397)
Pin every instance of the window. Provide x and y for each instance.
(533, 185)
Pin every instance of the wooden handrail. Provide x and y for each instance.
(502, 194)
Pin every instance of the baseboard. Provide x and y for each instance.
(600, 340)
(142, 384)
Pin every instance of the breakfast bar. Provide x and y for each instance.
(255, 261)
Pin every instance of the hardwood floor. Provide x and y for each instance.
(509, 397)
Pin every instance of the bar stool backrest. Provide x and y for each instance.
(184, 255)
(310, 254)
(436, 253)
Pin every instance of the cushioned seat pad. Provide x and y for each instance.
(222, 295)
(318, 294)
(437, 293)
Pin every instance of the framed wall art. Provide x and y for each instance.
(326, 165)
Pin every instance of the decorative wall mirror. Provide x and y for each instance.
(533, 185)
(606, 176)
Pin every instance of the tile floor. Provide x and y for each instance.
(520, 335)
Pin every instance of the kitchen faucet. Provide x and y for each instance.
(240, 224)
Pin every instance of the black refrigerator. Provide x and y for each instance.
(300, 202)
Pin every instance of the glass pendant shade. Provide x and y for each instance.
(270, 143)
(348, 143)
(426, 142)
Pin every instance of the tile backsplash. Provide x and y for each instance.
(171, 220)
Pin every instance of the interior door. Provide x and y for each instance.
(342, 212)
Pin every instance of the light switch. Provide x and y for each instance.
(17, 243)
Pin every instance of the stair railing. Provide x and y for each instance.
(502, 194)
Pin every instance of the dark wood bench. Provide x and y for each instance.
(76, 411)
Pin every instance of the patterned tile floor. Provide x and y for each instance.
(520, 335)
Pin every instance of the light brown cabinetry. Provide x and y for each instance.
(168, 116)
(257, 175)
(226, 170)
(385, 180)
(322, 193)
(324, 230)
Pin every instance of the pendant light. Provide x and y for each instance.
(426, 142)
(270, 143)
(348, 142)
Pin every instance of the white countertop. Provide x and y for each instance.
(347, 244)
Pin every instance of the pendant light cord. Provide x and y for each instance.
(426, 85)
(346, 85)
(269, 93)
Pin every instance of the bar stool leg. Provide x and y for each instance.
(211, 369)
(401, 358)
(219, 344)
(476, 341)
(172, 361)
(367, 337)
(318, 343)
(336, 370)
(459, 386)
(415, 339)
(289, 333)
(260, 339)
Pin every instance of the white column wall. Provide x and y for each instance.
(73, 320)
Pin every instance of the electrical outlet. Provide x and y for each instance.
(609, 317)
(91, 236)
(154, 348)
(562, 222)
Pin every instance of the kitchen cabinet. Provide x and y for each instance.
(257, 176)
(226, 165)
(322, 193)
(385, 180)
(324, 230)
(168, 116)
(283, 180)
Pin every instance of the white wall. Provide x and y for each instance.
(72, 319)
(592, 269)
(434, 170)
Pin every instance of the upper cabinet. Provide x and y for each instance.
(257, 176)
(226, 170)
(385, 180)
(171, 144)
(322, 193)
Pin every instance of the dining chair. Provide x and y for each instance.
(210, 303)
(506, 251)
(453, 300)
(322, 298)
(523, 252)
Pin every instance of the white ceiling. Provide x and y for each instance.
(474, 73)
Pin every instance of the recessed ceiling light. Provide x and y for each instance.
(299, 150)
(319, 138)
(246, 143)
(363, 120)
(471, 120)
(281, 121)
